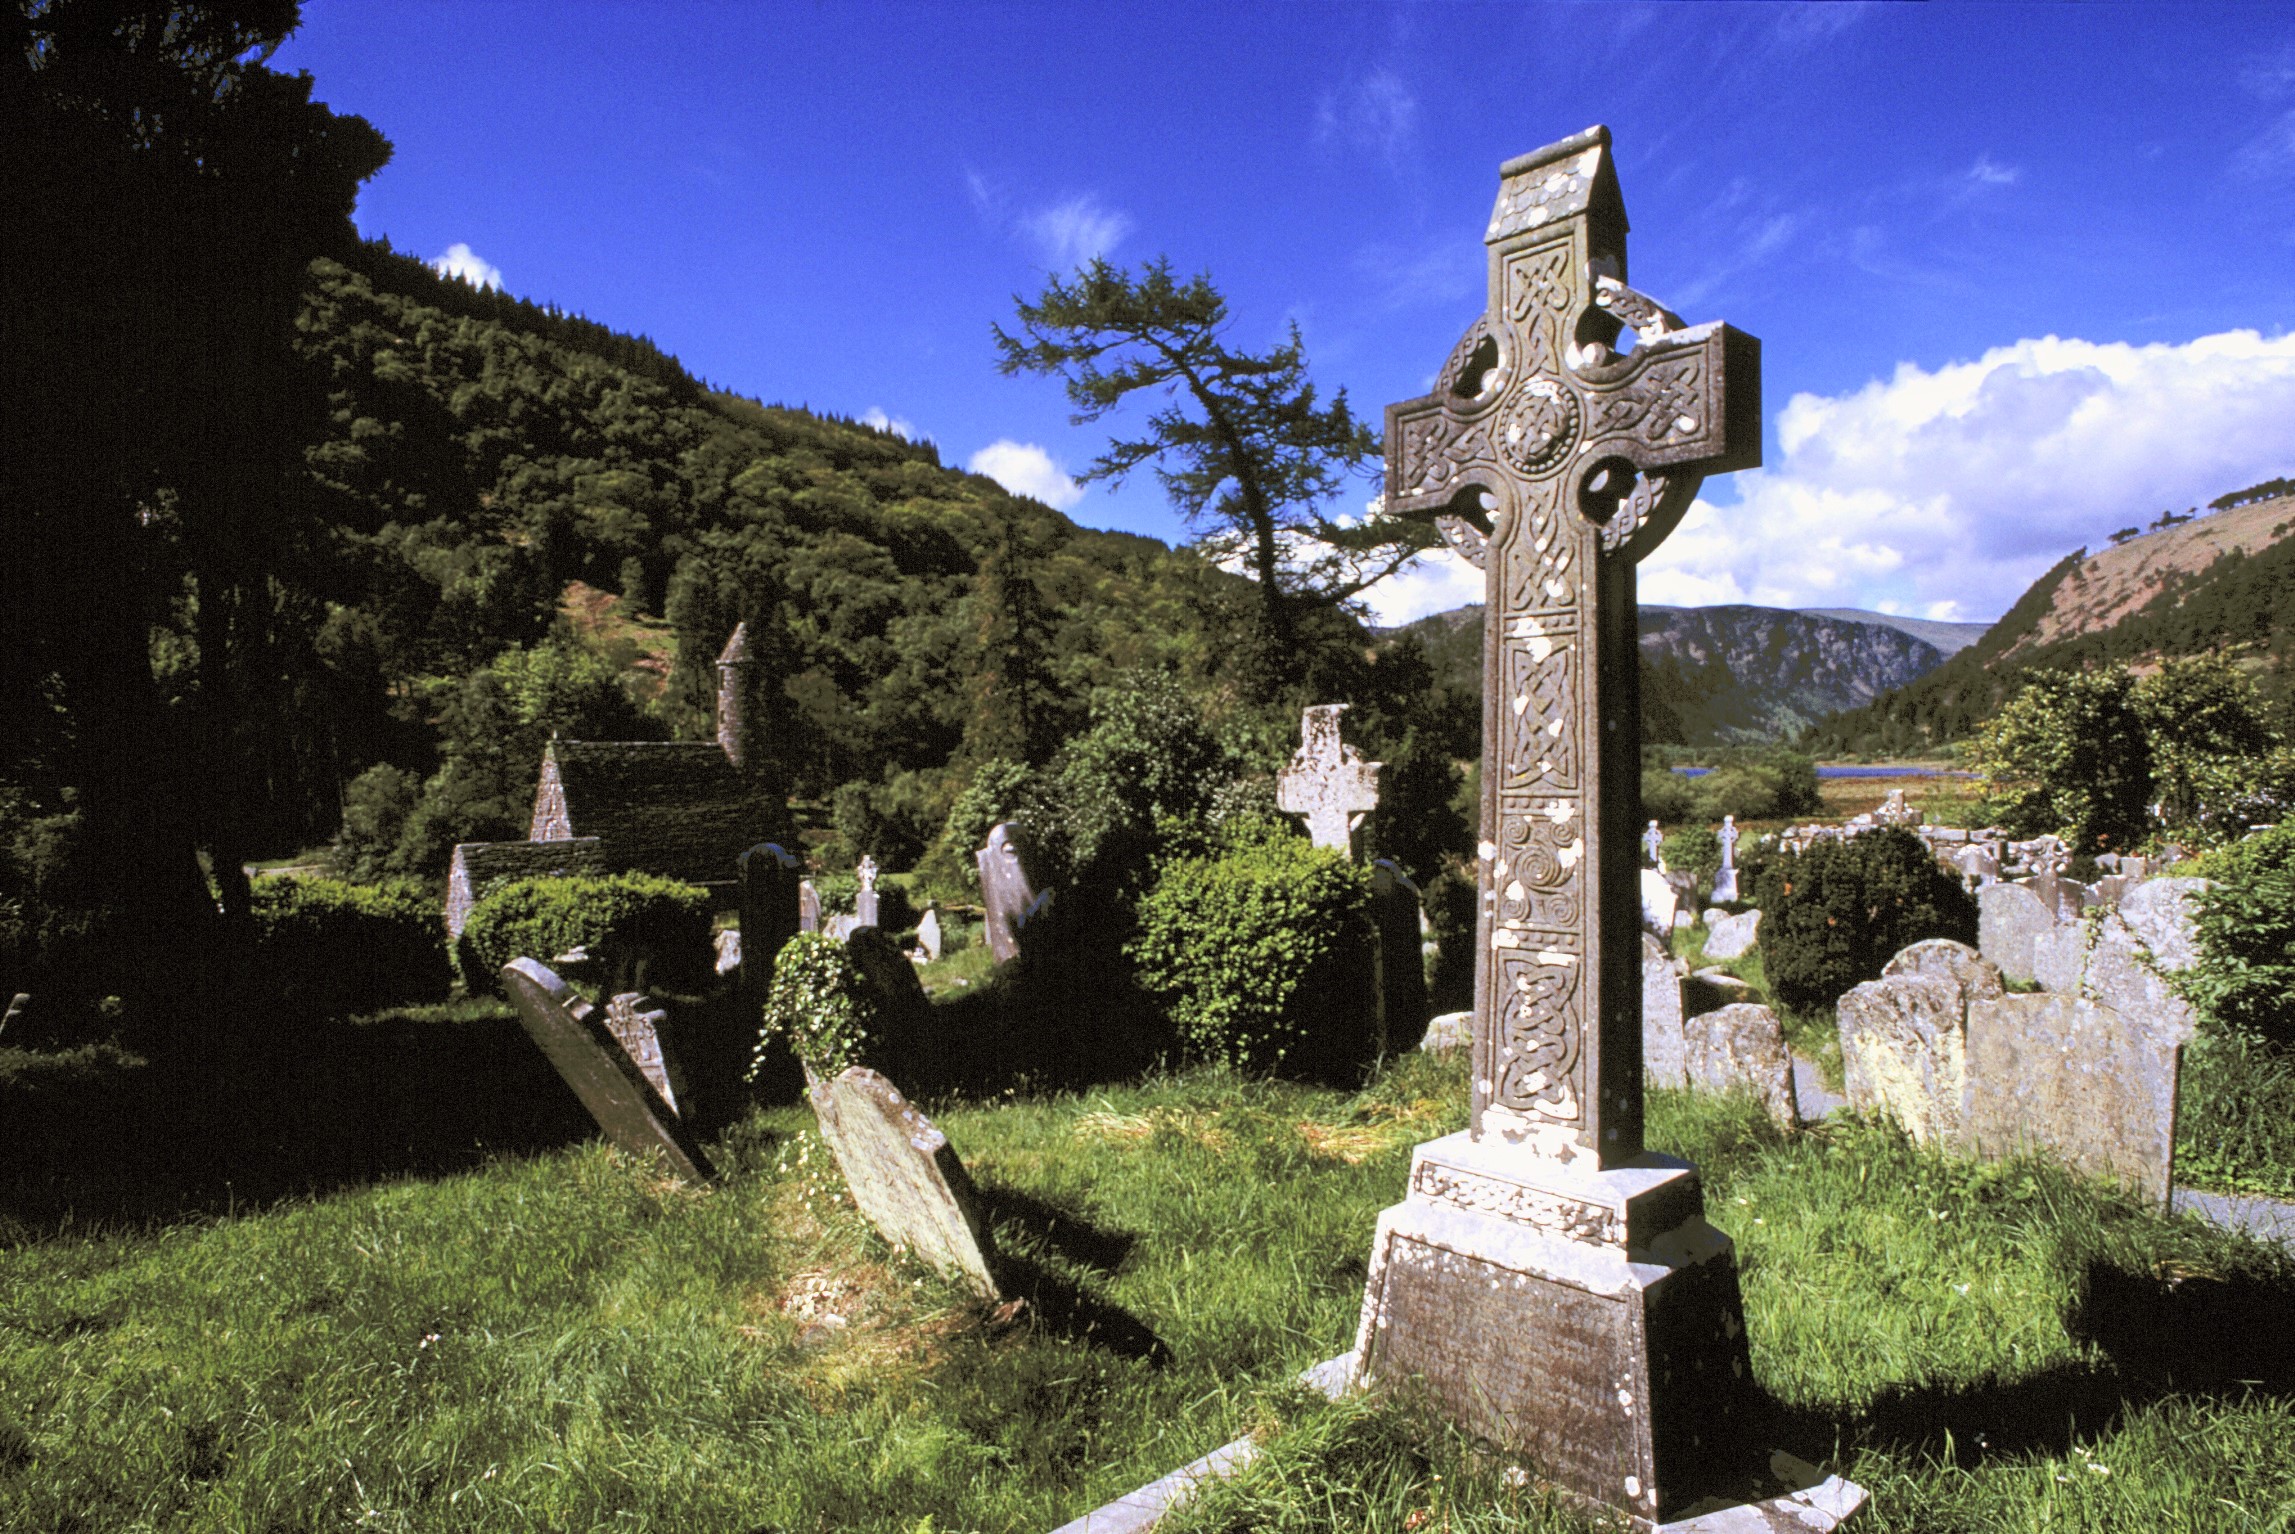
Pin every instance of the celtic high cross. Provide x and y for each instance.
(1554, 460)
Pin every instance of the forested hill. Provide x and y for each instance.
(485, 454)
(2222, 582)
(1733, 674)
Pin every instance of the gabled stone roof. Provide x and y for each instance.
(674, 808)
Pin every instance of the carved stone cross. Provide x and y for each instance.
(1327, 781)
(1554, 461)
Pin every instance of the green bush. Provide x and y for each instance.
(1667, 796)
(2245, 977)
(622, 920)
(947, 870)
(1261, 952)
(1148, 767)
(1834, 915)
(820, 1006)
(333, 947)
(1694, 850)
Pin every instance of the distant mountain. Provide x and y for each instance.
(2200, 583)
(1733, 674)
(1949, 638)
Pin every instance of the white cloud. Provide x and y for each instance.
(1377, 113)
(463, 262)
(1026, 469)
(1955, 489)
(1990, 172)
(899, 426)
(1435, 582)
(1070, 233)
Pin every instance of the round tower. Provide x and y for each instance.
(735, 725)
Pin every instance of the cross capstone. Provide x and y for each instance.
(1328, 782)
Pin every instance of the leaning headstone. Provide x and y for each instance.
(613, 1086)
(1733, 937)
(639, 1027)
(728, 950)
(865, 902)
(1725, 881)
(2160, 913)
(1327, 781)
(2083, 1082)
(772, 903)
(905, 1178)
(928, 934)
(1006, 890)
(1401, 968)
(1742, 1045)
(16, 1009)
(1660, 903)
(891, 979)
(2121, 975)
(1546, 1219)
(2009, 920)
(1662, 1062)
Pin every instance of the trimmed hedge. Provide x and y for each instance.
(334, 947)
(1834, 915)
(1262, 953)
(619, 919)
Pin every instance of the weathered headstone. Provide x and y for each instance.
(1710, 989)
(641, 1028)
(1447, 1031)
(905, 1177)
(1725, 881)
(1662, 1064)
(2060, 956)
(1660, 903)
(1327, 781)
(1733, 937)
(1742, 1045)
(17, 1006)
(577, 1039)
(808, 907)
(771, 912)
(1894, 811)
(1904, 1037)
(2160, 913)
(1547, 1283)
(2009, 920)
(928, 934)
(2081, 1081)
(865, 901)
(1006, 890)
(1399, 973)
(728, 944)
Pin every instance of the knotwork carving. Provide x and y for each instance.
(1539, 1047)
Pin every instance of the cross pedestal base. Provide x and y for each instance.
(1586, 1320)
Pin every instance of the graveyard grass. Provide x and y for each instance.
(566, 1339)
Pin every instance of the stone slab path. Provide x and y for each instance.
(2267, 1219)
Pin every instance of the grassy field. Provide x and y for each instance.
(559, 1338)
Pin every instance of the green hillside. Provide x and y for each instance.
(2240, 601)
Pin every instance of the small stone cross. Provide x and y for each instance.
(1554, 461)
(1653, 843)
(1328, 781)
(867, 872)
(1727, 836)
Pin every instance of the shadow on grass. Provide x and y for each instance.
(2160, 1336)
(1063, 1230)
(1066, 1310)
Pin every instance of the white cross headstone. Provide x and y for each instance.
(1725, 882)
(1653, 839)
(1328, 781)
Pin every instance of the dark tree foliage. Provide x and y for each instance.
(1834, 915)
(164, 192)
(1241, 446)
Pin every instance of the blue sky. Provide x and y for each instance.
(2023, 274)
